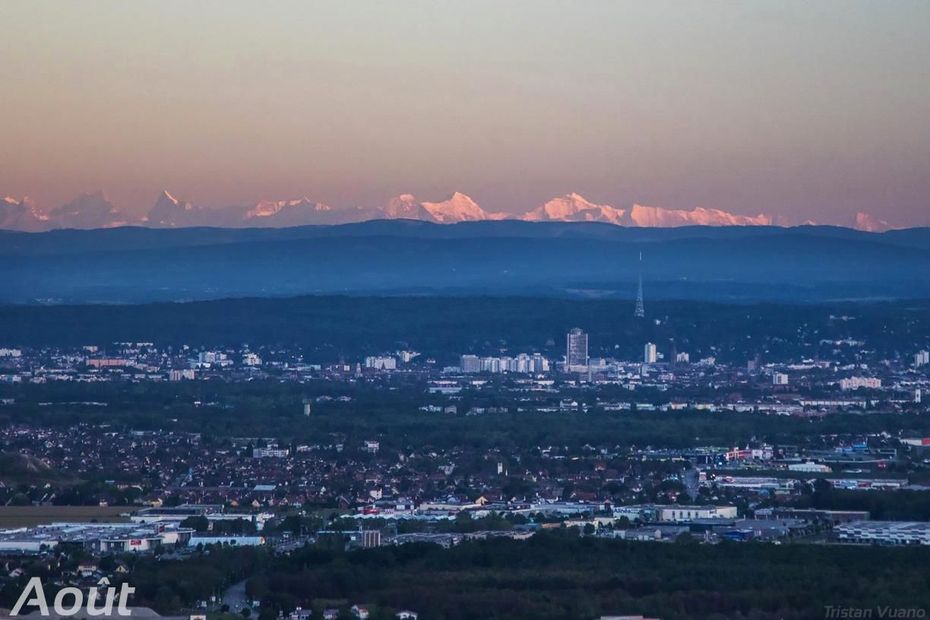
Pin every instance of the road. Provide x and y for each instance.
(234, 596)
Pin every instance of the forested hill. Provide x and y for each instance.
(127, 265)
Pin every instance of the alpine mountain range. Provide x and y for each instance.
(95, 210)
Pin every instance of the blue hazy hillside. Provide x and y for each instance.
(125, 265)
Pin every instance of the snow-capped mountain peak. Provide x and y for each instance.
(22, 215)
(94, 210)
(273, 208)
(457, 208)
(405, 206)
(89, 210)
(574, 207)
(169, 212)
(641, 215)
(166, 196)
(867, 222)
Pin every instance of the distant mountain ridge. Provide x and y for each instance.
(94, 210)
(869, 223)
(506, 257)
(90, 210)
(22, 215)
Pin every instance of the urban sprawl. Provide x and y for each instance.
(179, 492)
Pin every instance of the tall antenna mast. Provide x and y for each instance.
(640, 311)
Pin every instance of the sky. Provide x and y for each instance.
(806, 110)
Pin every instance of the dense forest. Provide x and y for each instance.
(556, 575)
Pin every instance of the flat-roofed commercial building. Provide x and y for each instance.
(689, 513)
(95, 537)
(885, 532)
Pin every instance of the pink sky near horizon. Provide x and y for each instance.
(802, 110)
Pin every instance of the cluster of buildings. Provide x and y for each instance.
(140, 530)
(522, 363)
(265, 473)
(99, 538)
(377, 477)
(846, 378)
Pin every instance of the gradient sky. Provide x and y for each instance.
(801, 109)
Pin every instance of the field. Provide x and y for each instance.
(26, 516)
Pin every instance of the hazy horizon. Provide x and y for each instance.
(803, 111)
